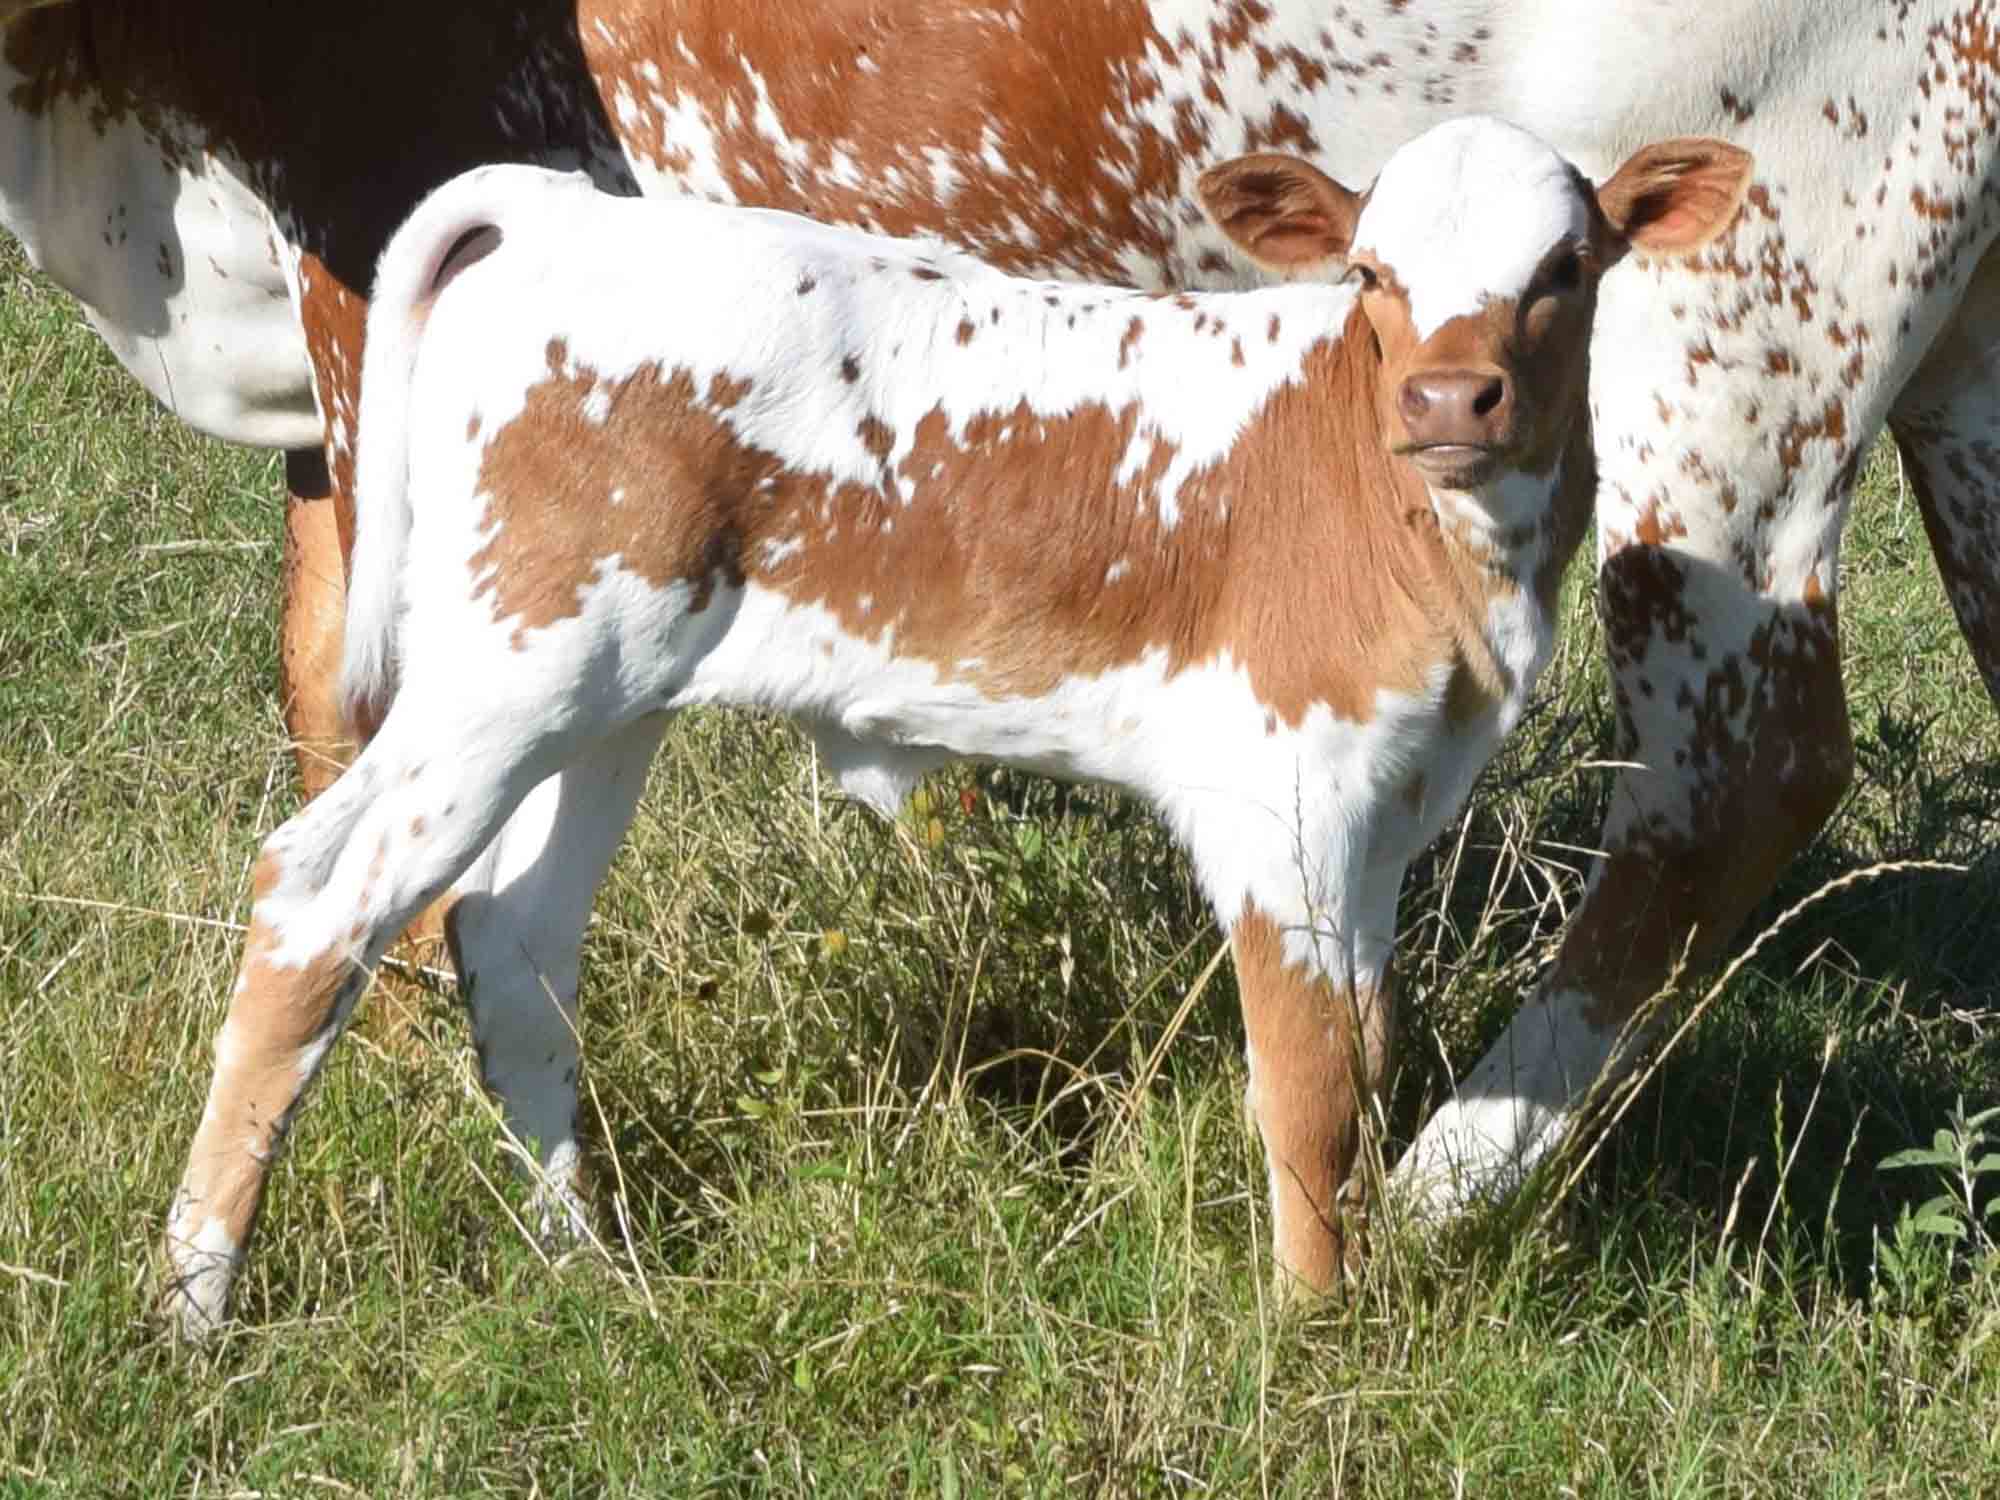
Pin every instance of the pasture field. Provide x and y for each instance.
(922, 1160)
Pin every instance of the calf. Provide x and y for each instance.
(1283, 562)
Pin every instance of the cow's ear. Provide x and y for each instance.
(1673, 197)
(1282, 212)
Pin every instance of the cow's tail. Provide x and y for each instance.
(460, 223)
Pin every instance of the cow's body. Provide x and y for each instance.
(1731, 400)
(1281, 562)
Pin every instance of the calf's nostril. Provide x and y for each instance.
(1414, 400)
(1489, 398)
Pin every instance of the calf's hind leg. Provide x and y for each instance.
(332, 888)
(515, 933)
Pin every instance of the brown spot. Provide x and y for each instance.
(966, 330)
(877, 437)
(850, 369)
(1133, 332)
(1657, 528)
(1830, 425)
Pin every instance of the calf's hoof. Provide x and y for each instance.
(194, 1290)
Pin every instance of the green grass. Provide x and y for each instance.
(890, 1205)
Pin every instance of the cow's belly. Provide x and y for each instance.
(174, 263)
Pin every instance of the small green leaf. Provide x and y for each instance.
(1916, 1156)
(1940, 1216)
(755, 1108)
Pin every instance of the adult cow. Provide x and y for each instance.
(1732, 399)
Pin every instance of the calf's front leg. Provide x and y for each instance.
(1318, 1024)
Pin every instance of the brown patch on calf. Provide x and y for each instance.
(1307, 519)
(548, 472)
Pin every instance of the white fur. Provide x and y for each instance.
(172, 256)
(1472, 175)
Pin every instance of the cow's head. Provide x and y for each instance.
(1477, 254)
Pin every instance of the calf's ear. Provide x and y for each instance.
(1282, 212)
(1673, 197)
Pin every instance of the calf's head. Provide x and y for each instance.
(1477, 253)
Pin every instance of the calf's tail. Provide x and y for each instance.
(460, 223)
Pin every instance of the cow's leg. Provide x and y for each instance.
(314, 610)
(515, 935)
(1946, 423)
(319, 536)
(1735, 730)
(332, 888)
(1317, 1020)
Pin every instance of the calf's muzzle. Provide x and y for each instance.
(1458, 424)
